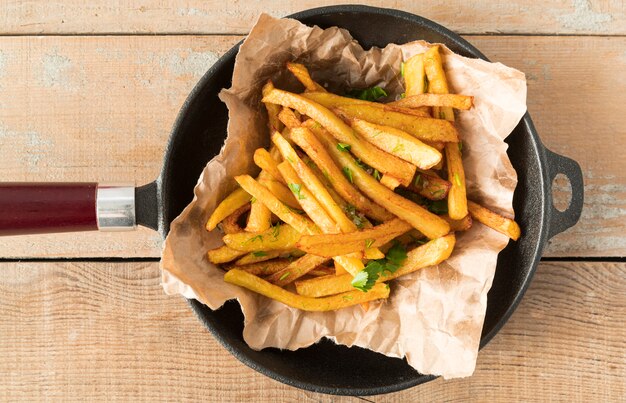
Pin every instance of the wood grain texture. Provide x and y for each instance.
(101, 108)
(236, 17)
(95, 331)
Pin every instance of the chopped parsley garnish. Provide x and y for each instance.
(352, 215)
(348, 297)
(377, 175)
(284, 276)
(296, 188)
(402, 69)
(399, 147)
(368, 94)
(457, 179)
(348, 173)
(254, 239)
(343, 147)
(369, 242)
(460, 146)
(276, 231)
(252, 199)
(417, 180)
(438, 193)
(366, 278)
(259, 253)
(294, 210)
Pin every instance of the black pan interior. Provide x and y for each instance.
(326, 367)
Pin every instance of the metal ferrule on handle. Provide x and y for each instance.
(35, 208)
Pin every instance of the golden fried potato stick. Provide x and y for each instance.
(229, 205)
(282, 192)
(318, 154)
(260, 217)
(302, 74)
(463, 224)
(260, 286)
(494, 220)
(223, 254)
(230, 224)
(429, 185)
(260, 256)
(389, 182)
(330, 245)
(278, 237)
(398, 143)
(437, 82)
(322, 271)
(289, 118)
(263, 159)
(312, 183)
(429, 254)
(370, 155)
(307, 200)
(284, 212)
(423, 128)
(272, 110)
(457, 197)
(414, 76)
(456, 101)
(296, 269)
(421, 219)
(264, 268)
(331, 101)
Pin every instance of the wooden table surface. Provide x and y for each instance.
(89, 92)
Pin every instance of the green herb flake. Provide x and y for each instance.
(276, 231)
(402, 69)
(457, 179)
(442, 115)
(403, 95)
(254, 239)
(369, 94)
(369, 242)
(377, 175)
(284, 276)
(259, 253)
(366, 278)
(398, 148)
(343, 147)
(252, 199)
(348, 297)
(460, 146)
(439, 207)
(417, 180)
(296, 188)
(348, 173)
(437, 193)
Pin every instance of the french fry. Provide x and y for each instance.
(389, 182)
(398, 143)
(260, 256)
(421, 219)
(462, 102)
(263, 159)
(278, 237)
(429, 254)
(302, 74)
(312, 183)
(229, 205)
(272, 110)
(457, 198)
(296, 269)
(260, 217)
(373, 254)
(223, 254)
(341, 131)
(289, 118)
(282, 192)
(322, 271)
(429, 185)
(437, 83)
(309, 203)
(339, 269)
(260, 286)
(463, 224)
(494, 220)
(230, 224)
(423, 128)
(264, 268)
(414, 76)
(318, 154)
(331, 101)
(330, 245)
(276, 206)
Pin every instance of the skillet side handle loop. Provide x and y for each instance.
(562, 220)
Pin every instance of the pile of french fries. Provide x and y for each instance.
(352, 193)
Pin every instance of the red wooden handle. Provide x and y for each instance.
(31, 208)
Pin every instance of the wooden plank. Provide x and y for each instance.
(95, 331)
(604, 17)
(62, 97)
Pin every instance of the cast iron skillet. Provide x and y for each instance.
(198, 135)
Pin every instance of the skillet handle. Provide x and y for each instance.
(562, 220)
(37, 208)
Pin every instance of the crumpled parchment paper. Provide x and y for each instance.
(434, 316)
